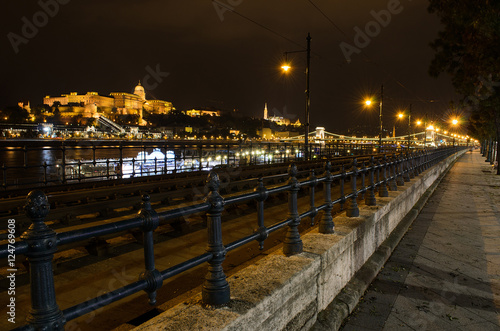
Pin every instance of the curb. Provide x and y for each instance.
(346, 301)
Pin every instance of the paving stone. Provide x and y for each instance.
(445, 272)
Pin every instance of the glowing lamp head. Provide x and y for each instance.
(419, 122)
(455, 121)
(368, 102)
(286, 67)
(400, 115)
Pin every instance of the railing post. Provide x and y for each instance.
(342, 184)
(215, 288)
(418, 163)
(120, 170)
(326, 224)
(262, 230)
(370, 199)
(93, 154)
(293, 243)
(382, 191)
(393, 185)
(405, 167)
(352, 209)
(363, 177)
(4, 174)
(421, 161)
(411, 165)
(200, 153)
(399, 171)
(165, 161)
(63, 161)
(314, 182)
(149, 224)
(44, 313)
(79, 170)
(25, 153)
(45, 173)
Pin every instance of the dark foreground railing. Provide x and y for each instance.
(39, 242)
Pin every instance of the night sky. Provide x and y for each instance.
(206, 56)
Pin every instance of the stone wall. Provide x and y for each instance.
(287, 293)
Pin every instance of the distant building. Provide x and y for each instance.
(280, 120)
(24, 105)
(93, 104)
(203, 112)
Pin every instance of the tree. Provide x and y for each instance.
(56, 118)
(468, 49)
(14, 114)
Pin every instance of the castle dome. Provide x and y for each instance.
(139, 90)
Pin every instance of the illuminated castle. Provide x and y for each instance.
(93, 104)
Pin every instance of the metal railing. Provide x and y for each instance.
(70, 162)
(39, 242)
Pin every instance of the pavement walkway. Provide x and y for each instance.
(445, 272)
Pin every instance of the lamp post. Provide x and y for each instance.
(424, 122)
(409, 127)
(401, 115)
(368, 103)
(286, 67)
(433, 136)
(454, 122)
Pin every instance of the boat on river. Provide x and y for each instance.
(144, 164)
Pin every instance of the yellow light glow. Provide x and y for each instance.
(430, 127)
(455, 121)
(368, 102)
(400, 115)
(286, 67)
(419, 122)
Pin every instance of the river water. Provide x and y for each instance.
(38, 165)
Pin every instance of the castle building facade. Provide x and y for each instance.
(93, 104)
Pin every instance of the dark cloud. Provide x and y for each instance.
(232, 62)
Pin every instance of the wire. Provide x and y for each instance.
(231, 9)
(367, 59)
(328, 18)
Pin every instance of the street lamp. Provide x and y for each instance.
(430, 128)
(368, 103)
(401, 115)
(424, 122)
(454, 122)
(286, 67)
